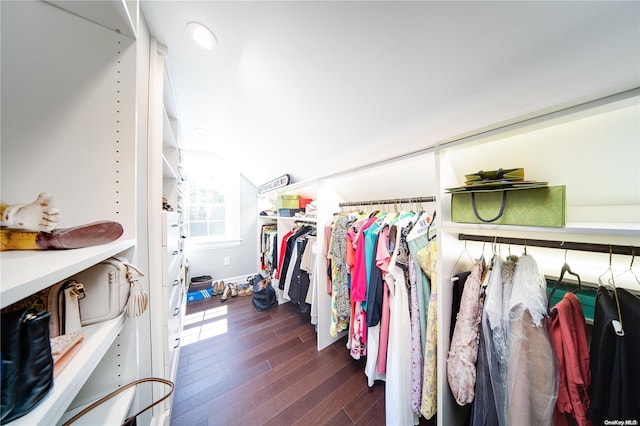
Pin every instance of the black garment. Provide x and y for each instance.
(630, 309)
(288, 252)
(614, 377)
(375, 291)
(458, 287)
(274, 256)
(299, 277)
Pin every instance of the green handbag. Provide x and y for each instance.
(530, 207)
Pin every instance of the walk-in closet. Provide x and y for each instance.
(319, 212)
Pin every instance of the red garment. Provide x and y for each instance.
(283, 249)
(568, 334)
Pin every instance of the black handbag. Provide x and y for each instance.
(264, 295)
(27, 364)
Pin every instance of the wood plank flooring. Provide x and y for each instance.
(239, 366)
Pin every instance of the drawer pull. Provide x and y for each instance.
(174, 252)
(175, 283)
(177, 343)
(176, 312)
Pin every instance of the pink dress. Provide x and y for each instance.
(382, 260)
(463, 351)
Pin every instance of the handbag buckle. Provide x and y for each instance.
(77, 290)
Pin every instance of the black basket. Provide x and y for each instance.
(202, 282)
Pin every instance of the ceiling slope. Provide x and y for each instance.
(313, 88)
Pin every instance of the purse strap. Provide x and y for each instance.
(120, 390)
(131, 276)
(475, 209)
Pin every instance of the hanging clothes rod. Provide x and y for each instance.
(391, 201)
(562, 245)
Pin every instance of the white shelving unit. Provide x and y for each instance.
(26, 272)
(593, 150)
(167, 263)
(79, 70)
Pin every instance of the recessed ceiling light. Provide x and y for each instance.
(202, 131)
(202, 35)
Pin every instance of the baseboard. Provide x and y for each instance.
(239, 278)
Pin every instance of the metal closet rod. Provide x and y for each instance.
(390, 201)
(562, 245)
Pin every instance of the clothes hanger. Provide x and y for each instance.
(433, 219)
(465, 251)
(630, 270)
(617, 324)
(565, 269)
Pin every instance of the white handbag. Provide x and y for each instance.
(110, 286)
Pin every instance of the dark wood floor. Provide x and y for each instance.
(240, 366)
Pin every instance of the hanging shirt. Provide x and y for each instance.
(614, 358)
(398, 385)
(428, 259)
(283, 249)
(463, 351)
(490, 388)
(375, 288)
(568, 333)
(532, 381)
(382, 262)
(340, 300)
(359, 273)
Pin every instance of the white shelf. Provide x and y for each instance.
(25, 272)
(169, 139)
(167, 171)
(98, 339)
(111, 412)
(120, 16)
(579, 228)
(299, 219)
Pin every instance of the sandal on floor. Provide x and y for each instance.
(214, 289)
(234, 290)
(225, 293)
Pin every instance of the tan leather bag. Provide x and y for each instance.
(62, 300)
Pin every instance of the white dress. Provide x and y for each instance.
(398, 387)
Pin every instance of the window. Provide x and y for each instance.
(211, 198)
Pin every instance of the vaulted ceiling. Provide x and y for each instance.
(313, 88)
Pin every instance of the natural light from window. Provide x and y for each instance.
(204, 325)
(212, 198)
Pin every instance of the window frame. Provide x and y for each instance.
(229, 186)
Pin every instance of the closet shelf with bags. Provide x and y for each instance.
(98, 339)
(27, 272)
(94, 178)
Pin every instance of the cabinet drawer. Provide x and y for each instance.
(170, 230)
(174, 323)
